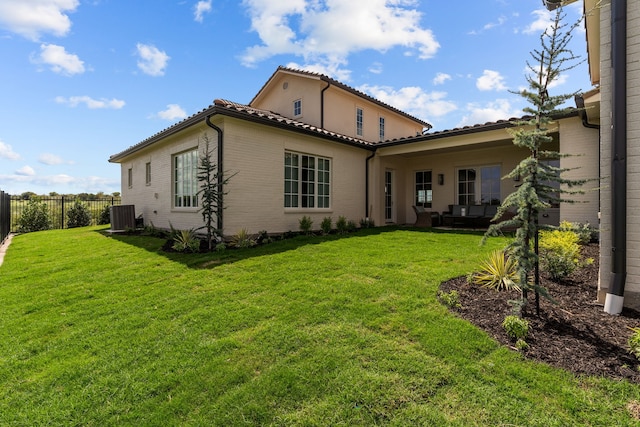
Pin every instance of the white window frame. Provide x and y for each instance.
(478, 190)
(359, 121)
(130, 177)
(185, 179)
(381, 123)
(307, 181)
(147, 173)
(423, 195)
(297, 108)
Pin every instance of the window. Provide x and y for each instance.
(130, 177)
(148, 173)
(381, 128)
(307, 181)
(423, 192)
(185, 179)
(484, 180)
(359, 120)
(297, 107)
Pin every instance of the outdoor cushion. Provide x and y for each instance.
(490, 211)
(456, 210)
(476, 210)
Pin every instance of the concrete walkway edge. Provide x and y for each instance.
(4, 247)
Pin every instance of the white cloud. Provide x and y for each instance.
(74, 101)
(376, 68)
(152, 60)
(200, 9)
(332, 69)
(26, 171)
(173, 112)
(51, 159)
(441, 78)
(329, 31)
(500, 109)
(413, 100)
(6, 152)
(490, 80)
(59, 60)
(31, 18)
(543, 20)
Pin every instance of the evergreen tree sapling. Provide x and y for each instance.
(211, 192)
(542, 183)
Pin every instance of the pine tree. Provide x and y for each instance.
(211, 191)
(542, 184)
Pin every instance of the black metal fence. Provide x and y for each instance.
(5, 215)
(57, 207)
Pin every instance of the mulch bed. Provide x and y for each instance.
(575, 334)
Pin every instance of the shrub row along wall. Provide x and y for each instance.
(58, 207)
(5, 215)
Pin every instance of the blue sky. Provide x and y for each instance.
(82, 80)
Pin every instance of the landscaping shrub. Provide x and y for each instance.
(35, 217)
(341, 225)
(326, 224)
(351, 226)
(104, 217)
(634, 343)
(242, 239)
(516, 327)
(186, 241)
(498, 272)
(585, 232)
(560, 253)
(78, 215)
(367, 223)
(450, 299)
(305, 224)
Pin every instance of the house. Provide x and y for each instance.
(613, 44)
(309, 145)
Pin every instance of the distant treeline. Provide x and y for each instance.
(80, 196)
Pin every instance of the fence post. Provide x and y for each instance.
(62, 215)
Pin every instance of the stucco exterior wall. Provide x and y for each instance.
(339, 108)
(632, 289)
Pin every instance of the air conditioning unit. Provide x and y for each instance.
(123, 217)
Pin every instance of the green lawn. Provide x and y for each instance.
(99, 330)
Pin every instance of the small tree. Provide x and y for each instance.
(78, 215)
(537, 190)
(34, 217)
(211, 191)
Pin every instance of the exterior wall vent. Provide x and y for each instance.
(123, 217)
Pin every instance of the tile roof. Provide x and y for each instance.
(343, 86)
(244, 112)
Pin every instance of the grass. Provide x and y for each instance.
(98, 330)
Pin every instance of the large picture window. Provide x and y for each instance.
(307, 181)
(423, 194)
(479, 185)
(185, 179)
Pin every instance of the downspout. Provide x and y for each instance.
(366, 185)
(614, 300)
(322, 105)
(583, 114)
(220, 172)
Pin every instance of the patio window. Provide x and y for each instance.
(185, 179)
(479, 185)
(307, 181)
(423, 193)
(297, 107)
(359, 121)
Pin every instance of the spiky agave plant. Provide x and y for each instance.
(499, 272)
